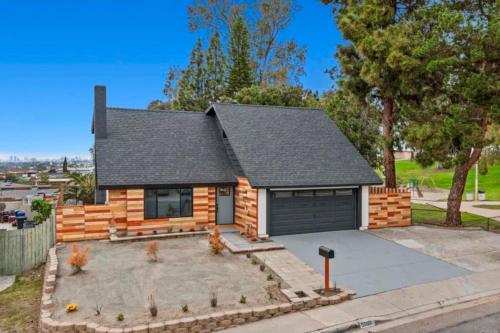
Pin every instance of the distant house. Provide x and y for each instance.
(267, 170)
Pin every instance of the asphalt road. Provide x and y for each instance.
(483, 318)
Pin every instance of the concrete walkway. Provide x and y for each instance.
(6, 281)
(382, 307)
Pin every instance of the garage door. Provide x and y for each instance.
(297, 212)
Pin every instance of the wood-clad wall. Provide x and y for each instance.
(245, 205)
(389, 207)
(125, 209)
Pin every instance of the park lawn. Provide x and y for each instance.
(441, 178)
(428, 214)
(20, 304)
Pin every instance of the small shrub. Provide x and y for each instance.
(254, 261)
(139, 233)
(152, 306)
(215, 241)
(262, 267)
(184, 308)
(155, 232)
(192, 230)
(97, 309)
(120, 317)
(213, 298)
(243, 299)
(78, 257)
(152, 249)
(269, 277)
(180, 230)
(249, 255)
(71, 307)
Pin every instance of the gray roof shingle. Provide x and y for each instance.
(154, 148)
(291, 147)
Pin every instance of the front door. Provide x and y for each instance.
(225, 205)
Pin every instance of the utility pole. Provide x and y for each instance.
(476, 183)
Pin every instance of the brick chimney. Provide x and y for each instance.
(100, 119)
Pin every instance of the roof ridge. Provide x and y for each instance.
(269, 106)
(147, 110)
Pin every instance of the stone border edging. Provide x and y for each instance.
(197, 324)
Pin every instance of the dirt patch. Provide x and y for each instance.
(119, 277)
(20, 304)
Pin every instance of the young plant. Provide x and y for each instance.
(254, 261)
(262, 266)
(249, 255)
(97, 309)
(243, 299)
(152, 306)
(152, 249)
(120, 317)
(184, 308)
(215, 241)
(270, 277)
(78, 257)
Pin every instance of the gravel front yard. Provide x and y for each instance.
(119, 277)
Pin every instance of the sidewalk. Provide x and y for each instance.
(432, 198)
(382, 307)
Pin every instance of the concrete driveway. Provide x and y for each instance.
(369, 264)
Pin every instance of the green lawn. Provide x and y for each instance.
(423, 213)
(486, 206)
(441, 178)
(20, 304)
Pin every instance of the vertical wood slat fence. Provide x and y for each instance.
(22, 250)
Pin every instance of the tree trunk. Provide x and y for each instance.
(453, 217)
(388, 123)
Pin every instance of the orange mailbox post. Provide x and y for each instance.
(328, 254)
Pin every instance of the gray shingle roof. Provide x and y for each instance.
(288, 147)
(160, 148)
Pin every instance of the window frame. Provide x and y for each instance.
(180, 189)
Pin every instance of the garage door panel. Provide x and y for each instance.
(303, 213)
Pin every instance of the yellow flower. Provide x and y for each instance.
(71, 307)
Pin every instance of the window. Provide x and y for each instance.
(304, 193)
(343, 192)
(172, 202)
(324, 193)
(224, 191)
(284, 194)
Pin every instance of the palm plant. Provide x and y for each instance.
(81, 188)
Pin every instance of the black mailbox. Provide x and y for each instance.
(326, 252)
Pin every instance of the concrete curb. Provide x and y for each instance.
(411, 312)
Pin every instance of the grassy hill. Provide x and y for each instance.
(441, 178)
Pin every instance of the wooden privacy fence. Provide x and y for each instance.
(22, 250)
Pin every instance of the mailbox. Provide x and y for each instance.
(326, 252)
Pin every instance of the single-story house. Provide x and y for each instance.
(265, 169)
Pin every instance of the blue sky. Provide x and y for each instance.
(54, 52)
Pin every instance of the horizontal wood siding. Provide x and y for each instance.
(125, 210)
(245, 205)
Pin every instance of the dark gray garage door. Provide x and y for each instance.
(297, 212)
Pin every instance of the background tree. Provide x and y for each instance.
(358, 120)
(240, 70)
(65, 165)
(276, 61)
(81, 188)
(295, 96)
(459, 49)
(191, 94)
(216, 69)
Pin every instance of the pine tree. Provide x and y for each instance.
(191, 90)
(240, 70)
(65, 165)
(216, 69)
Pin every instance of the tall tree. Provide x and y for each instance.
(370, 64)
(65, 165)
(216, 69)
(295, 96)
(240, 70)
(358, 120)
(276, 61)
(191, 94)
(459, 49)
